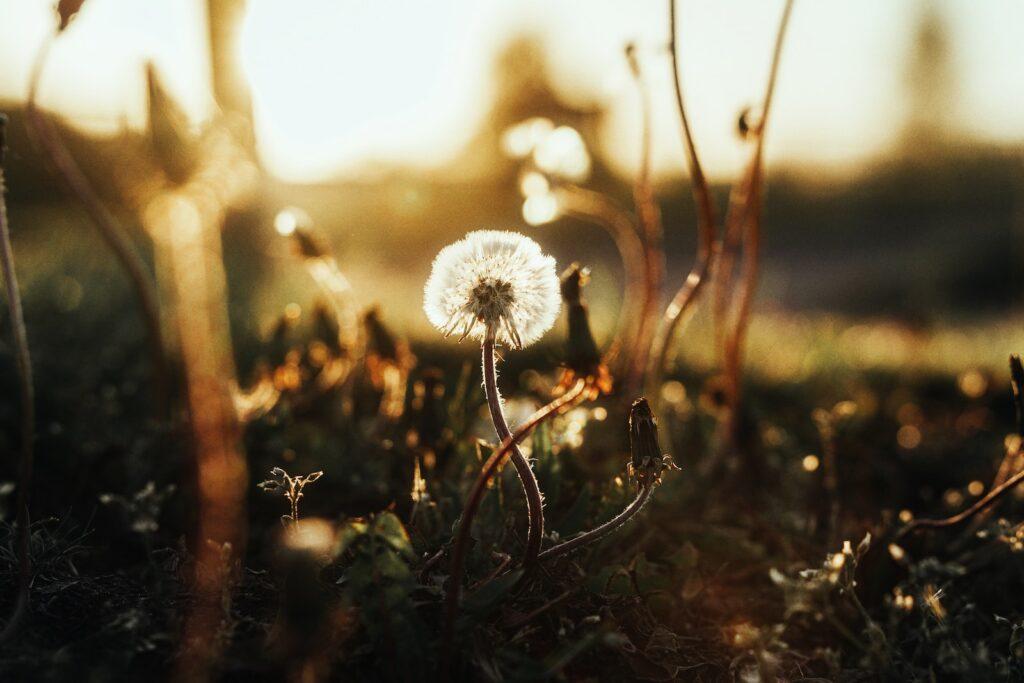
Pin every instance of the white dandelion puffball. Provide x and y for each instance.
(497, 281)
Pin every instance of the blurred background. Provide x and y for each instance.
(894, 222)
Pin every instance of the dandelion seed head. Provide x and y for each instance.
(493, 280)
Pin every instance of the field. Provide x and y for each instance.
(520, 418)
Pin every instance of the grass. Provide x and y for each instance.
(703, 585)
(800, 541)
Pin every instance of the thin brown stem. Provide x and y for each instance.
(113, 234)
(649, 217)
(534, 500)
(682, 304)
(473, 501)
(595, 207)
(750, 216)
(597, 533)
(27, 392)
(988, 500)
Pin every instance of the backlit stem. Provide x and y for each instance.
(476, 496)
(682, 304)
(597, 533)
(534, 501)
(595, 207)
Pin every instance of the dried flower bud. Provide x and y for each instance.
(388, 361)
(648, 461)
(748, 123)
(379, 339)
(326, 329)
(1017, 382)
(66, 11)
(631, 58)
(583, 358)
(643, 434)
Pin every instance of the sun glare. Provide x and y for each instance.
(343, 82)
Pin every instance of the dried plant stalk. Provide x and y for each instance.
(591, 206)
(26, 389)
(649, 219)
(745, 218)
(685, 299)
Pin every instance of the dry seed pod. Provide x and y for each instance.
(583, 359)
(647, 459)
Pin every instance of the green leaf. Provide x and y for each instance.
(388, 527)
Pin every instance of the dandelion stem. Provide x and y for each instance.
(476, 496)
(682, 304)
(534, 501)
(597, 533)
(113, 234)
(27, 391)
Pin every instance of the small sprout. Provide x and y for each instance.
(291, 488)
(648, 461)
(141, 509)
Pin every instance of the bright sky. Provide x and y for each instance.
(339, 82)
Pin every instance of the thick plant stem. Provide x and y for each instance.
(27, 392)
(476, 496)
(46, 135)
(682, 304)
(597, 533)
(534, 500)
